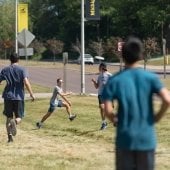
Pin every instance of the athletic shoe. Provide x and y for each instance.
(103, 126)
(10, 139)
(13, 127)
(72, 117)
(39, 125)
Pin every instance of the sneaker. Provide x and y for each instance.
(39, 125)
(72, 117)
(13, 127)
(10, 139)
(103, 126)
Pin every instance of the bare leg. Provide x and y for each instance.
(102, 113)
(48, 114)
(18, 120)
(8, 126)
(68, 108)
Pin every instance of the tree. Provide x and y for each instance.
(55, 46)
(97, 47)
(39, 48)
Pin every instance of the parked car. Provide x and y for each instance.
(88, 59)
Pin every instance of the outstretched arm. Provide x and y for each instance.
(28, 87)
(61, 94)
(165, 97)
(96, 85)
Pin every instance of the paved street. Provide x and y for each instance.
(47, 77)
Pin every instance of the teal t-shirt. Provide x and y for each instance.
(134, 90)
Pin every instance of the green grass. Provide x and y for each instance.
(158, 61)
(35, 87)
(65, 145)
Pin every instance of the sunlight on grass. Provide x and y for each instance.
(65, 145)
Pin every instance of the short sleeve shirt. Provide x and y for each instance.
(134, 90)
(14, 76)
(55, 96)
(102, 80)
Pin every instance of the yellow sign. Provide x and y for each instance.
(22, 17)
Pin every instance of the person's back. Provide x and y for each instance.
(14, 76)
(134, 89)
(13, 94)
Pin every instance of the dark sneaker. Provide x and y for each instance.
(39, 125)
(103, 126)
(13, 127)
(72, 117)
(10, 139)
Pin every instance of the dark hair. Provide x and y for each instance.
(103, 66)
(58, 80)
(132, 50)
(14, 58)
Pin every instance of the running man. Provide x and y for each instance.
(13, 94)
(56, 102)
(134, 89)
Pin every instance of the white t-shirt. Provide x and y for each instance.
(54, 99)
(102, 80)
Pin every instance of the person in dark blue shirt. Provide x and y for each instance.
(13, 94)
(134, 89)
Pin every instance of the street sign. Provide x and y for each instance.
(25, 37)
(26, 51)
(65, 58)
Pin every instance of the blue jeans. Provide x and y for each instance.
(135, 160)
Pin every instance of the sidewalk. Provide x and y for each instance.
(43, 96)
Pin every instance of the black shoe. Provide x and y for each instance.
(39, 125)
(72, 117)
(10, 139)
(103, 126)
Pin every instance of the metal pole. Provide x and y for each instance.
(164, 55)
(82, 49)
(16, 26)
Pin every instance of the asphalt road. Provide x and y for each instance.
(48, 76)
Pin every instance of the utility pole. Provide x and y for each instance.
(82, 49)
(16, 26)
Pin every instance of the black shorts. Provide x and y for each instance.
(100, 99)
(14, 107)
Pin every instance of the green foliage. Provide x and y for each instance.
(62, 20)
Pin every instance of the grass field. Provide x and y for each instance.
(158, 61)
(65, 145)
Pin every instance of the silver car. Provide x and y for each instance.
(88, 59)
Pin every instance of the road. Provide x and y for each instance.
(47, 77)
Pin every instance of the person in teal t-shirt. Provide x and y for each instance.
(134, 89)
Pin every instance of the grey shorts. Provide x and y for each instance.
(135, 160)
(52, 107)
(14, 108)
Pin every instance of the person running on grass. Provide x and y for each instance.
(99, 84)
(16, 77)
(56, 102)
(134, 89)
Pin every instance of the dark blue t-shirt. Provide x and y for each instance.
(14, 76)
(134, 89)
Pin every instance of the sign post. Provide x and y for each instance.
(65, 61)
(119, 48)
(164, 54)
(25, 37)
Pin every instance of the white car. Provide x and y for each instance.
(88, 59)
